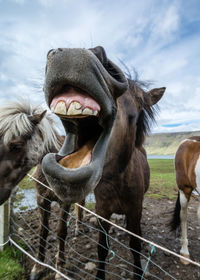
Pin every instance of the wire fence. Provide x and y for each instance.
(77, 257)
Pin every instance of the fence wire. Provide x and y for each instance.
(79, 255)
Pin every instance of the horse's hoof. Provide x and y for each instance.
(185, 262)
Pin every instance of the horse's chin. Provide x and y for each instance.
(76, 169)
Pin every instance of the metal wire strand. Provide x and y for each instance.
(76, 261)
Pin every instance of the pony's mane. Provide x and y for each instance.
(148, 112)
(15, 122)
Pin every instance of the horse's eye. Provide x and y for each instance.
(16, 145)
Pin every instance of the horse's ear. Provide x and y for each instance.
(36, 119)
(156, 94)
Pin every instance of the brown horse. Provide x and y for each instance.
(187, 168)
(106, 117)
(27, 134)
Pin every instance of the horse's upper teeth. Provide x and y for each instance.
(60, 108)
(87, 111)
(75, 108)
(77, 105)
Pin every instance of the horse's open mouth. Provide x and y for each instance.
(76, 169)
(79, 110)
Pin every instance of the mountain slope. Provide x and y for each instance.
(166, 143)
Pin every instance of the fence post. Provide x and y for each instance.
(4, 223)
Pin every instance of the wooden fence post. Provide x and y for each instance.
(4, 223)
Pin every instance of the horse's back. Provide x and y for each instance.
(186, 159)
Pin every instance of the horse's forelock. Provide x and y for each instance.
(15, 122)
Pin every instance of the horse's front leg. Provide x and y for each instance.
(102, 246)
(79, 217)
(183, 215)
(133, 225)
(61, 235)
(44, 207)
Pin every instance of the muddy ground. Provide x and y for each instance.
(83, 253)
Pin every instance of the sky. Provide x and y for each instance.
(160, 39)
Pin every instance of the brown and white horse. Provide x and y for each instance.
(187, 168)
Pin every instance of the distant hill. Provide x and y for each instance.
(166, 143)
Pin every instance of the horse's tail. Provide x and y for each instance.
(176, 220)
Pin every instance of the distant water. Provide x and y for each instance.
(160, 156)
(28, 200)
(90, 198)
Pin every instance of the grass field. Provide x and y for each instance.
(162, 180)
(10, 264)
(27, 183)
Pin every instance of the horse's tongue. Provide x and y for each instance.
(80, 158)
(85, 100)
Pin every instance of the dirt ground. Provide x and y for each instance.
(83, 253)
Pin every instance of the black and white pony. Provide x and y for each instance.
(27, 133)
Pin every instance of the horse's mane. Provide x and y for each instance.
(148, 112)
(15, 122)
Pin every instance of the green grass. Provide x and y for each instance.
(162, 180)
(90, 206)
(27, 182)
(10, 264)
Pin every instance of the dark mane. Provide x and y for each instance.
(148, 112)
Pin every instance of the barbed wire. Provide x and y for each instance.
(127, 231)
(79, 260)
(110, 237)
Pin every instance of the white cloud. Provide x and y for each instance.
(156, 39)
(166, 22)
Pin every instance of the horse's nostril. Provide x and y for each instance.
(51, 52)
